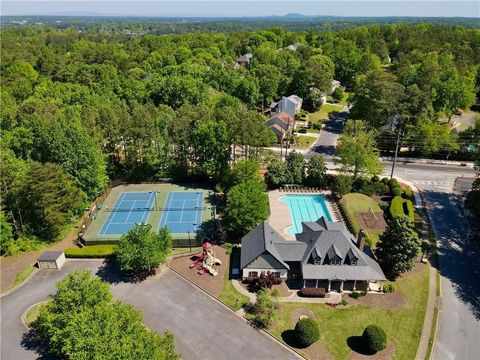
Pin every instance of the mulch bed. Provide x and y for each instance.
(393, 300)
(386, 354)
(211, 284)
(298, 313)
(282, 288)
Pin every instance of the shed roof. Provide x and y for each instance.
(50, 255)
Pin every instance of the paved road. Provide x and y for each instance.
(203, 328)
(458, 334)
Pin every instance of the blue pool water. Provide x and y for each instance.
(304, 208)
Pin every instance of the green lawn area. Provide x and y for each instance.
(230, 296)
(353, 203)
(33, 312)
(304, 141)
(403, 326)
(322, 114)
(22, 275)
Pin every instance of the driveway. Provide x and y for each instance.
(203, 328)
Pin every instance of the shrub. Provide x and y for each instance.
(249, 280)
(396, 207)
(317, 125)
(342, 185)
(92, 251)
(262, 312)
(408, 193)
(392, 183)
(409, 210)
(396, 191)
(312, 292)
(385, 180)
(374, 338)
(389, 288)
(267, 280)
(306, 332)
(344, 302)
(302, 131)
(357, 294)
(374, 179)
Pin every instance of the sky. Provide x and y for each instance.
(241, 8)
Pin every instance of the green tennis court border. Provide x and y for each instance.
(92, 237)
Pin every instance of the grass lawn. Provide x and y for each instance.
(22, 275)
(353, 203)
(230, 296)
(322, 114)
(403, 326)
(34, 311)
(305, 142)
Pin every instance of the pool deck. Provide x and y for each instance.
(279, 218)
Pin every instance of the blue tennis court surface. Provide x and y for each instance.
(183, 212)
(131, 208)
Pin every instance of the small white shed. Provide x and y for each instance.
(51, 260)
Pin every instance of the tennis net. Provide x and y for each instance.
(198, 208)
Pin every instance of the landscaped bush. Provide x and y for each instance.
(389, 288)
(267, 280)
(392, 183)
(249, 280)
(317, 125)
(357, 294)
(312, 292)
(374, 338)
(262, 312)
(92, 251)
(397, 191)
(410, 211)
(306, 332)
(408, 193)
(385, 180)
(396, 207)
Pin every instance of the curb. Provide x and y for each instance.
(15, 288)
(24, 320)
(426, 337)
(285, 346)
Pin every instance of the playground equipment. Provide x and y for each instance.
(208, 260)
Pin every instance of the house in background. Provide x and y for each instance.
(243, 60)
(325, 254)
(281, 123)
(290, 105)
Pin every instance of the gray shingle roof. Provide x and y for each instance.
(49, 255)
(264, 246)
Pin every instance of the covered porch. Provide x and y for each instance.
(342, 285)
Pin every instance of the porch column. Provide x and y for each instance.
(381, 287)
(316, 283)
(303, 282)
(341, 286)
(328, 286)
(354, 285)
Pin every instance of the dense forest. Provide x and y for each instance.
(82, 107)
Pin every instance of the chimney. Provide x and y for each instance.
(361, 239)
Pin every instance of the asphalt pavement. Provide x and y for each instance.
(203, 328)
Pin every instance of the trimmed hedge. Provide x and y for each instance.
(306, 332)
(389, 288)
(357, 294)
(397, 191)
(401, 207)
(92, 251)
(374, 338)
(312, 292)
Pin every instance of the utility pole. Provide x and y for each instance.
(396, 153)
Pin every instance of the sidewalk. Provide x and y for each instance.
(432, 283)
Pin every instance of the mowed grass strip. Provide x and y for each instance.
(403, 326)
(354, 203)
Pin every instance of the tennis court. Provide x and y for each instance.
(131, 208)
(183, 212)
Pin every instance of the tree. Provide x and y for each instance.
(337, 94)
(247, 206)
(6, 236)
(374, 338)
(49, 199)
(320, 69)
(358, 155)
(83, 321)
(295, 167)
(316, 172)
(306, 332)
(262, 312)
(141, 249)
(277, 173)
(244, 170)
(398, 246)
(342, 184)
(433, 137)
(376, 98)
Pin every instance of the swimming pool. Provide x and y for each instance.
(304, 208)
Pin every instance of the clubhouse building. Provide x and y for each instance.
(325, 254)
